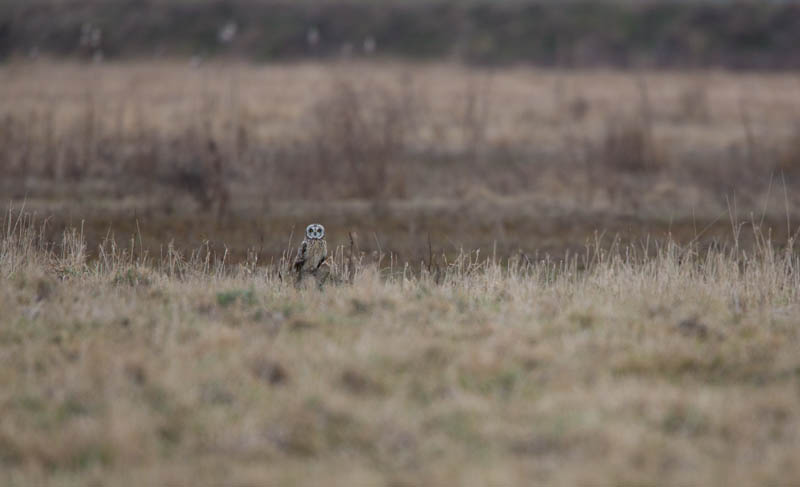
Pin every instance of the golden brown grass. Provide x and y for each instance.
(442, 130)
(667, 366)
(512, 158)
(143, 362)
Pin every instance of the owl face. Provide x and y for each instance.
(315, 231)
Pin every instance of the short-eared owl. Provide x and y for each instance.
(311, 255)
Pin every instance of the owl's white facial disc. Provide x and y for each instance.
(315, 231)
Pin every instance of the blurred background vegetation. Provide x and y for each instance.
(763, 35)
(544, 122)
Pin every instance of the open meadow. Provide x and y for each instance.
(657, 366)
(540, 276)
(398, 154)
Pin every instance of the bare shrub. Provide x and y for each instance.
(628, 147)
(86, 135)
(49, 144)
(744, 166)
(144, 154)
(474, 119)
(627, 153)
(8, 142)
(357, 135)
(624, 162)
(788, 162)
(201, 174)
(578, 108)
(693, 104)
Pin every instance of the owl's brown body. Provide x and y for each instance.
(310, 259)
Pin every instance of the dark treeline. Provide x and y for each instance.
(734, 35)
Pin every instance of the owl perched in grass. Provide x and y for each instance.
(311, 255)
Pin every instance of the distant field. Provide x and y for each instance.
(610, 368)
(406, 156)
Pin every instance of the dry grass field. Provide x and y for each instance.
(666, 366)
(577, 277)
(239, 155)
